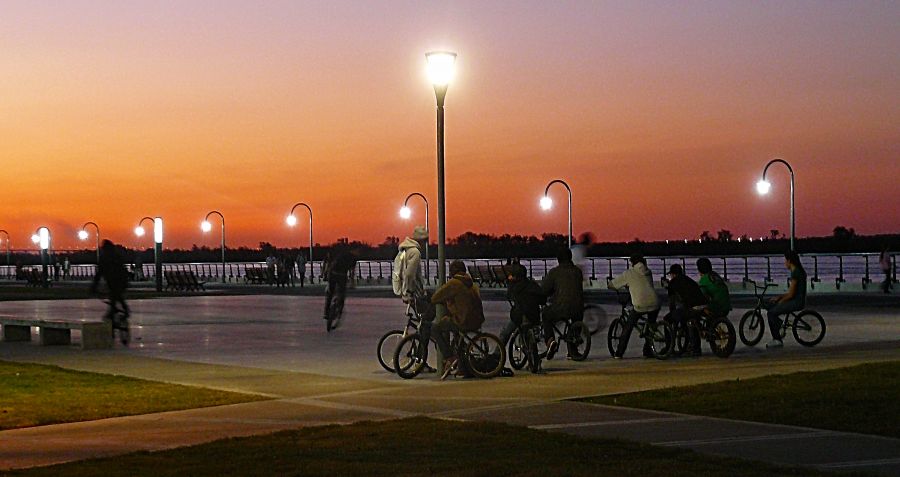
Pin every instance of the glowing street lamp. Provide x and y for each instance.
(292, 221)
(206, 227)
(83, 235)
(406, 213)
(441, 67)
(158, 246)
(41, 238)
(547, 203)
(763, 187)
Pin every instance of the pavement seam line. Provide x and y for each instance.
(860, 463)
(768, 437)
(613, 423)
(351, 407)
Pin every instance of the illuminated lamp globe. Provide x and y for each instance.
(763, 187)
(291, 220)
(82, 234)
(139, 231)
(205, 226)
(546, 203)
(405, 212)
(441, 67)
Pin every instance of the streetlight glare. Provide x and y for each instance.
(139, 231)
(291, 220)
(441, 67)
(82, 234)
(405, 212)
(763, 186)
(546, 203)
(35, 238)
(205, 226)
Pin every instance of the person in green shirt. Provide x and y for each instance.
(793, 300)
(715, 289)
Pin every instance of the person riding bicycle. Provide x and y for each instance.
(340, 265)
(793, 300)
(111, 268)
(715, 289)
(564, 287)
(464, 312)
(526, 297)
(639, 281)
(684, 297)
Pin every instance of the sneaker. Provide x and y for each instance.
(774, 344)
(428, 369)
(552, 348)
(449, 367)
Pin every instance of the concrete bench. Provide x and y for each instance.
(94, 334)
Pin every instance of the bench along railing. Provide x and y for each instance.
(835, 270)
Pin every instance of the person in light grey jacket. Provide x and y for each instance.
(639, 281)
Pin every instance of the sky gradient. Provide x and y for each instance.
(661, 116)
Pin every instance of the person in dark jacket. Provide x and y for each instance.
(564, 286)
(112, 270)
(526, 297)
(684, 296)
(464, 311)
(340, 266)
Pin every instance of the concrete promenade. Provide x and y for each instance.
(276, 346)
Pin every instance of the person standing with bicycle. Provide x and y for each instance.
(639, 281)
(793, 300)
(111, 269)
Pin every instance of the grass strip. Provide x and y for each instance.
(417, 446)
(34, 395)
(860, 398)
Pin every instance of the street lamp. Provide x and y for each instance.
(83, 235)
(763, 187)
(206, 227)
(41, 237)
(292, 221)
(406, 213)
(441, 68)
(7, 250)
(547, 203)
(157, 249)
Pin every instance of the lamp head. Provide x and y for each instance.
(82, 234)
(205, 226)
(763, 187)
(546, 203)
(158, 230)
(291, 220)
(405, 212)
(441, 66)
(139, 231)
(35, 239)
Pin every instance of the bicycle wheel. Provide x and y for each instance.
(518, 350)
(614, 336)
(579, 341)
(661, 339)
(386, 347)
(594, 318)
(752, 327)
(410, 356)
(720, 335)
(809, 328)
(485, 355)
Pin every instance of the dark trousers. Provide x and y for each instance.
(117, 298)
(629, 326)
(302, 271)
(553, 314)
(887, 284)
(683, 316)
(336, 286)
(774, 310)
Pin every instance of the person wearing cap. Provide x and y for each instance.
(684, 296)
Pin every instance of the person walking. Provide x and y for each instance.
(885, 261)
(289, 265)
(270, 268)
(301, 268)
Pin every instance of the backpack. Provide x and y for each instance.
(397, 273)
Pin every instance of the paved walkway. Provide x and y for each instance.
(276, 346)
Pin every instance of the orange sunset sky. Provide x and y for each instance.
(660, 115)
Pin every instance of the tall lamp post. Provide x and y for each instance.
(292, 221)
(547, 203)
(41, 237)
(441, 67)
(83, 235)
(157, 249)
(206, 227)
(406, 213)
(763, 187)
(7, 250)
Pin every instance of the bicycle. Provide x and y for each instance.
(807, 326)
(118, 319)
(390, 340)
(482, 353)
(660, 333)
(717, 331)
(530, 347)
(336, 309)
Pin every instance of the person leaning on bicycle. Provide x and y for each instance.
(564, 287)
(793, 300)
(526, 297)
(464, 312)
(112, 270)
(685, 296)
(639, 281)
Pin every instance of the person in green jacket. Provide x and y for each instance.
(715, 289)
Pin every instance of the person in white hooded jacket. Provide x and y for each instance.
(639, 281)
(406, 278)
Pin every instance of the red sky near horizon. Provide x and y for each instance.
(660, 115)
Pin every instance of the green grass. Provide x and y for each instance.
(34, 395)
(856, 399)
(417, 446)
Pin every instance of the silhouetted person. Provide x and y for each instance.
(301, 268)
(885, 261)
(339, 268)
(112, 270)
